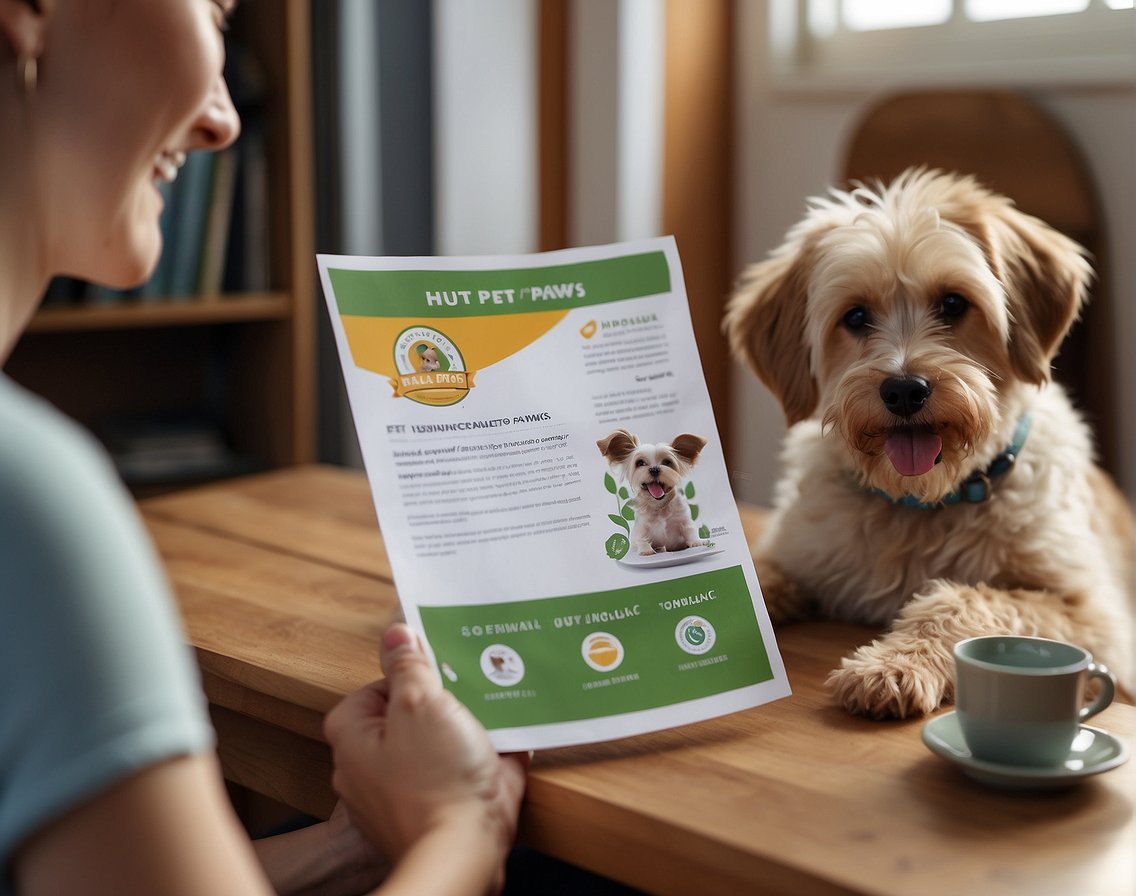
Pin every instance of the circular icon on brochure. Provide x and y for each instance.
(695, 635)
(601, 651)
(502, 665)
(617, 546)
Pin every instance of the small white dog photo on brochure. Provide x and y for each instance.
(655, 494)
(936, 481)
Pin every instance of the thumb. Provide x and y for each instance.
(406, 665)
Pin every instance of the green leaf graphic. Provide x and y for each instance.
(628, 512)
(624, 493)
(609, 483)
(617, 546)
(689, 490)
(619, 521)
(693, 512)
(703, 531)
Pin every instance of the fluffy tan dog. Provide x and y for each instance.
(936, 480)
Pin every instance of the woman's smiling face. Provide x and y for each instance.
(130, 87)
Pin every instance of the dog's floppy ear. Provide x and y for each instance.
(765, 324)
(618, 446)
(1046, 277)
(688, 446)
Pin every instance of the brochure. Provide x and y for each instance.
(551, 488)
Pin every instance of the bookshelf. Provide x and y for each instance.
(240, 357)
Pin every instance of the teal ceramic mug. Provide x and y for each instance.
(1021, 701)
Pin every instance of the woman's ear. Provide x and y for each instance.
(23, 25)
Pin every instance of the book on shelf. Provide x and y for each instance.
(191, 210)
(218, 224)
(247, 266)
(156, 287)
(247, 263)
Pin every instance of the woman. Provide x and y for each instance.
(108, 782)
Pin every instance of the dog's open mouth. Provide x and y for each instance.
(656, 490)
(913, 450)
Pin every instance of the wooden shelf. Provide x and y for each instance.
(195, 311)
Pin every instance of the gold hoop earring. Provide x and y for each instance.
(27, 75)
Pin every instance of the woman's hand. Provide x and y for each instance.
(410, 760)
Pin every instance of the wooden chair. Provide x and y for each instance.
(1015, 148)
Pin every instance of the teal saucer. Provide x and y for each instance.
(1093, 751)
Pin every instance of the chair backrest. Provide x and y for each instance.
(1013, 147)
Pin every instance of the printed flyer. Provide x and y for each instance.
(551, 489)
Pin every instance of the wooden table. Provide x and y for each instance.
(285, 589)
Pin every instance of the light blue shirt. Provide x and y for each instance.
(96, 681)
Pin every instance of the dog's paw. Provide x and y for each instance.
(882, 682)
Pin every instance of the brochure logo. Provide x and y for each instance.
(602, 651)
(431, 369)
(695, 635)
(502, 665)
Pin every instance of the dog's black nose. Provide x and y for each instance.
(904, 395)
(654, 471)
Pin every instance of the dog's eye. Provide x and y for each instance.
(667, 462)
(640, 463)
(953, 306)
(855, 318)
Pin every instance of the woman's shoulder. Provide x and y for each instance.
(43, 453)
(67, 523)
(90, 635)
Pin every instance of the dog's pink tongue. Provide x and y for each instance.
(655, 489)
(913, 451)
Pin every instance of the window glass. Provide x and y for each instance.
(873, 15)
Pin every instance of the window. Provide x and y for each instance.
(873, 43)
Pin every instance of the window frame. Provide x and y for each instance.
(1096, 46)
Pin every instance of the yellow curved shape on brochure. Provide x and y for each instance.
(482, 341)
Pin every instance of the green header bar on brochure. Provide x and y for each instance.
(447, 294)
(593, 655)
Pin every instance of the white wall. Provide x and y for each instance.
(486, 75)
(485, 149)
(617, 68)
(789, 146)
